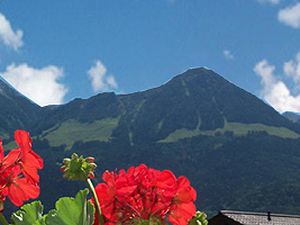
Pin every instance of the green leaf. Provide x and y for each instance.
(72, 211)
(29, 214)
(199, 219)
(69, 211)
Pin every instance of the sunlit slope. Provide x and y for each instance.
(197, 102)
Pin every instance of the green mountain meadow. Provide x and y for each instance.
(238, 152)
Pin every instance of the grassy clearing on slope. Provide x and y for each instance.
(238, 129)
(71, 131)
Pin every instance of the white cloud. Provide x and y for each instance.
(40, 85)
(272, 2)
(100, 81)
(265, 71)
(8, 36)
(292, 68)
(275, 91)
(227, 54)
(290, 15)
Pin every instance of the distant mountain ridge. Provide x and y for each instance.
(233, 146)
(208, 99)
(292, 116)
(194, 101)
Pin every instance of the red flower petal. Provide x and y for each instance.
(182, 214)
(19, 171)
(142, 192)
(23, 139)
(21, 190)
(166, 180)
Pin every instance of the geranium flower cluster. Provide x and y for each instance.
(144, 194)
(19, 179)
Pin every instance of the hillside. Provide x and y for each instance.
(233, 146)
(197, 102)
(16, 110)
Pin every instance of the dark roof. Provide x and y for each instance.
(257, 218)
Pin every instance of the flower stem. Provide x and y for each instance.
(3, 221)
(97, 203)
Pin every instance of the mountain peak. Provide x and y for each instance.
(7, 90)
(199, 74)
(201, 68)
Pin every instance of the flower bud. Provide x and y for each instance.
(90, 159)
(78, 167)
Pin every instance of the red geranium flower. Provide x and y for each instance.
(19, 179)
(143, 193)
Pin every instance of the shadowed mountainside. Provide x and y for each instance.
(238, 151)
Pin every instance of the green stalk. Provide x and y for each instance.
(98, 208)
(3, 221)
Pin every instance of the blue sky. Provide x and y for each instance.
(54, 51)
